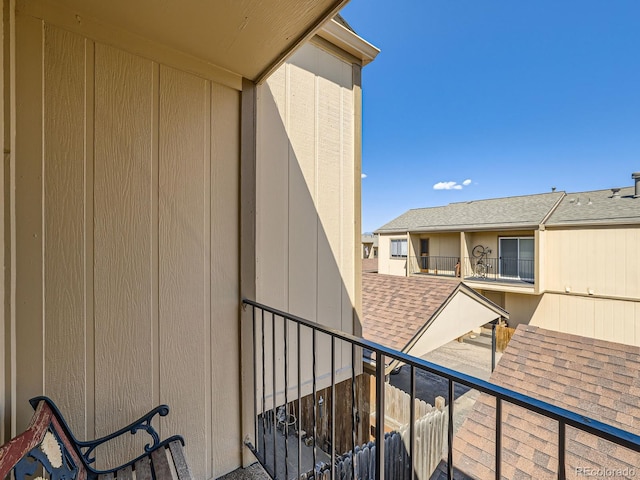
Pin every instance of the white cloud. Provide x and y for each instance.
(447, 186)
(451, 185)
(364, 175)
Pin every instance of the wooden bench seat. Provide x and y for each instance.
(48, 444)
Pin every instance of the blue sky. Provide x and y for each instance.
(502, 97)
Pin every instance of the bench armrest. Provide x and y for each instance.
(86, 448)
(143, 423)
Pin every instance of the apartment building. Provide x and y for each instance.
(144, 147)
(563, 261)
(161, 160)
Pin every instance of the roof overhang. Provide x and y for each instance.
(461, 228)
(464, 310)
(347, 40)
(249, 38)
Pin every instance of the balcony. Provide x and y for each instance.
(303, 413)
(435, 265)
(500, 269)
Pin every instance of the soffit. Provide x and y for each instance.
(246, 37)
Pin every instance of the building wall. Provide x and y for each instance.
(594, 261)
(308, 174)
(603, 318)
(386, 264)
(440, 244)
(592, 283)
(126, 253)
(521, 307)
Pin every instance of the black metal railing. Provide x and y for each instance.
(435, 265)
(269, 322)
(500, 268)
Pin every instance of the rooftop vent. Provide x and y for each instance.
(615, 193)
(636, 177)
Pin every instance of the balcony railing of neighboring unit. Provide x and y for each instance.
(284, 335)
(435, 265)
(509, 269)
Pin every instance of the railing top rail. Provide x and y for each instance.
(589, 425)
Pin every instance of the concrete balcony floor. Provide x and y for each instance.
(253, 472)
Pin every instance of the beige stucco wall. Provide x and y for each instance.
(126, 254)
(386, 264)
(308, 175)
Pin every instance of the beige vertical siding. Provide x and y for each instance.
(6, 148)
(127, 243)
(123, 237)
(604, 260)
(521, 307)
(64, 229)
(592, 283)
(603, 318)
(306, 236)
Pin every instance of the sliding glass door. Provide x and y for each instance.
(517, 258)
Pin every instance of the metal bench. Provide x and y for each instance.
(48, 444)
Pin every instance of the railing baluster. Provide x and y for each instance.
(354, 411)
(379, 416)
(285, 325)
(299, 408)
(564, 417)
(254, 340)
(450, 432)
(498, 438)
(264, 397)
(412, 424)
(333, 408)
(315, 403)
(562, 474)
(273, 370)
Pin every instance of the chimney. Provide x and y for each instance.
(636, 177)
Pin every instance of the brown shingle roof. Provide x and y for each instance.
(395, 308)
(591, 377)
(370, 265)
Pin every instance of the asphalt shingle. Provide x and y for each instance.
(526, 211)
(555, 375)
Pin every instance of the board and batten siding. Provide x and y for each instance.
(127, 234)
(307, 227)
(604, 260)
(603, 318)
(592, 283)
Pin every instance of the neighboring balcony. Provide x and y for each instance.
(435, 265)
(500, 269)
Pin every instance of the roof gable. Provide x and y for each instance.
(397, 311)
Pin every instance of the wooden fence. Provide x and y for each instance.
(503, 335)
(430, 438)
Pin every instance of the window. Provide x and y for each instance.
(399, 248)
